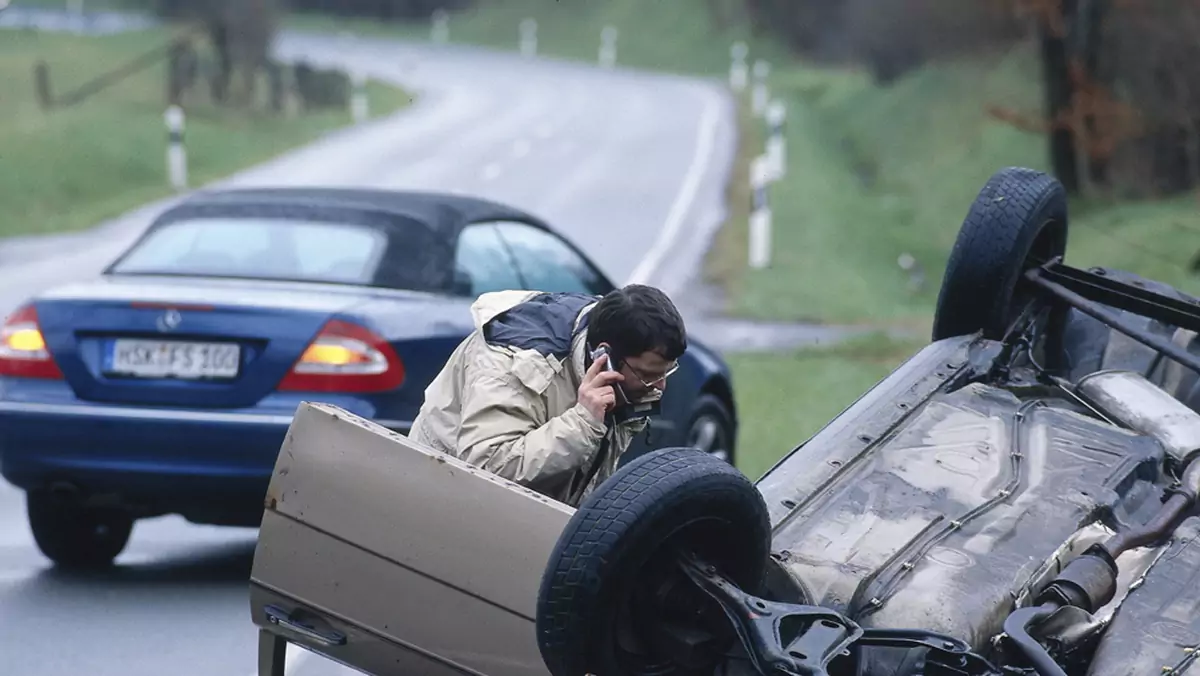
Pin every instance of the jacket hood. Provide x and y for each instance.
(488, 305)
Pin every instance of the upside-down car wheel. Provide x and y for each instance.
(1018, 221)
(611, 585)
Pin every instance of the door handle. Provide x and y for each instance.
(282, 618)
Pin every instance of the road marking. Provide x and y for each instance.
(491, 171)
(705, 140)
(521, 148)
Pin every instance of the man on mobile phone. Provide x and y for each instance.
(551, 388)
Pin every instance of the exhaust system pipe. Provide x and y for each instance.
(1090, 580)
(1132, 400)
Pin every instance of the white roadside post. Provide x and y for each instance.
(608, 47)
(176, 153)
(760, 214)
(737, 67)
(776, 143)
(760, 95)
(358, 97)
(529, 38)
(916, 273)
(440, 31)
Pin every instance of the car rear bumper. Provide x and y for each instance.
(168, 459)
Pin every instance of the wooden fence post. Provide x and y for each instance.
(41, 80)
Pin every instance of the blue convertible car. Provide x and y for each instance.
(166, 385)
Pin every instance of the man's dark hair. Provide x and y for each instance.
(638, 319)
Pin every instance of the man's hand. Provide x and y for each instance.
(596, 392)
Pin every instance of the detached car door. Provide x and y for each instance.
(396, 559)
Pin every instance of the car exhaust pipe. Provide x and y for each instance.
(1090, 580)
(1135, 402)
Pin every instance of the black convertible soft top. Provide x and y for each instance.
(445, 214)
(423, 226)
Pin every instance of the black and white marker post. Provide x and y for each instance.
(776, 143)
(760, 214)
(760, 94)
(359, 108)
(176, 153)
(916, 273)
(608, 47)
(737, 67)
(439, 32)
(529, 38)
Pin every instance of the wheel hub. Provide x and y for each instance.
(706, 434)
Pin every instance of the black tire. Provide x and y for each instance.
(710, 429)
(77, 537)
(621, 542)
(1018, 221)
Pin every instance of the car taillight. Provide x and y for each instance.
(345, 357)
(23, 350)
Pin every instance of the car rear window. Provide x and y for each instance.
(266, 248)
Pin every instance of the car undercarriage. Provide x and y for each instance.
(1018, 498)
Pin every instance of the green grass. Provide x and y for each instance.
(877, 172)
(70, 168)
(88, 5)
(783, 399)
(653, 34)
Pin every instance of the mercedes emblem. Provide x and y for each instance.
(169, 320)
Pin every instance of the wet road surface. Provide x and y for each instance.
(630, 166)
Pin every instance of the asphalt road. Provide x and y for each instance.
(630, 166)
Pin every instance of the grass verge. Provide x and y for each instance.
(877, 172)
(70, 168)
(783, 399)
(727, 257)
(652, 34)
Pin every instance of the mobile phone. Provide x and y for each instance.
(601, 351)
(608, 366)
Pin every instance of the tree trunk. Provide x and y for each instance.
(223, 77)
(1058, 91)
(1097, 70)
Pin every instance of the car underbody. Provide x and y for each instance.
(990, 495)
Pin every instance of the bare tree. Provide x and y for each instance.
(241, 33)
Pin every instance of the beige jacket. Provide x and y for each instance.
(509, 405)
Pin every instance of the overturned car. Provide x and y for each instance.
(1019, 497)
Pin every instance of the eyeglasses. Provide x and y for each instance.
(656, 381)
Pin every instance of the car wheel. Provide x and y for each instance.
(611, 583)
(74, 536)
(1018, 221)
(710, 428)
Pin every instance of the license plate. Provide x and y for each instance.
(173, 359)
